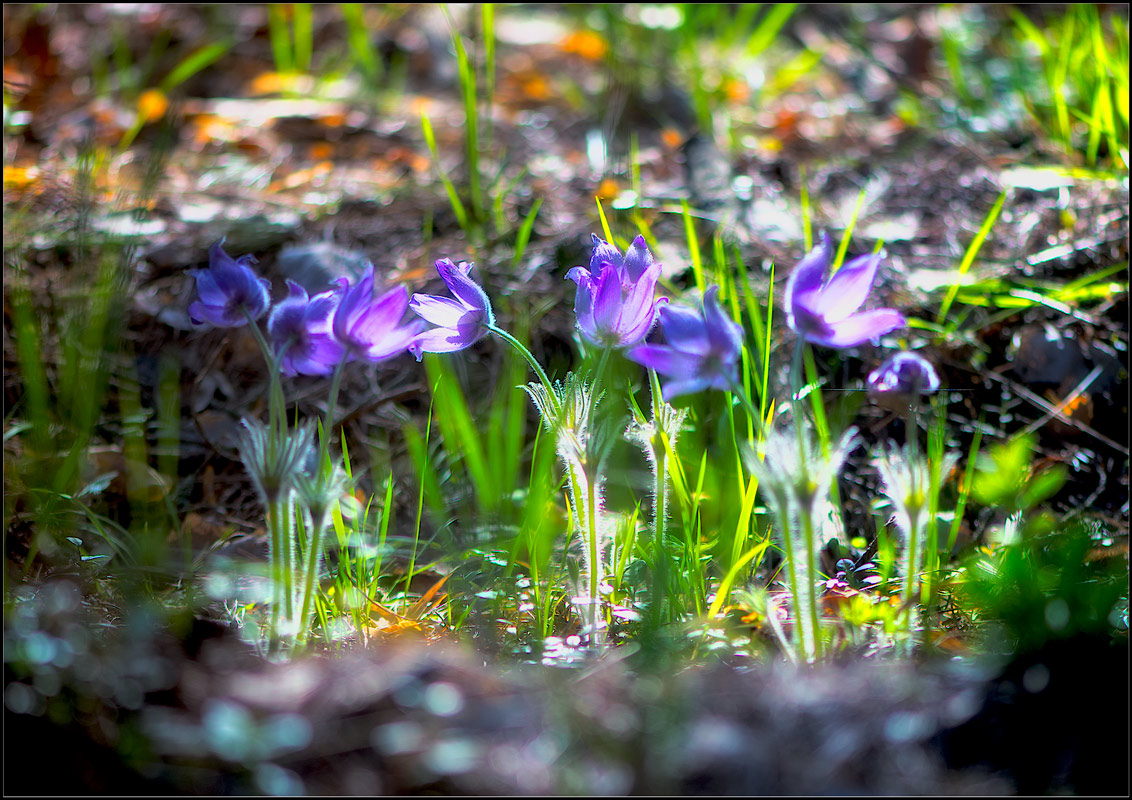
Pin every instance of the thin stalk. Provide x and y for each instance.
(595, 554)
(278, 550)
(660, 507)
(312, 556)
(525, 353)
(800, 622)
(275, 402)
(807, 519)
(332, 405)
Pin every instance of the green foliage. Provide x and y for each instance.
(1004, 477)
(1045, 584)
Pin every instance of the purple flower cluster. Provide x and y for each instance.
(310, 335)
(615, 305)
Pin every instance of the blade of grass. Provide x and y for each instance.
(969, 256)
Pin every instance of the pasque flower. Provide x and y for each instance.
(703, 350)
(370, 327)
(300, 330)
(903, 376)
(228, 289)
(825, 312)
(615, 303)
(462, 319)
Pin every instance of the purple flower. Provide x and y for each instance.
(300, 329)
(702, 352)
(824, 312)
(614, 305)
(370, 327)
(227, 289)
(462, 321)
(905, 375)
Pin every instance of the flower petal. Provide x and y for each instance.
(666, 360)
(724, 334)
(847, 290)
(607, 303)
(443, 311)
(860, 328)
(637, 259)
(673, 389)
(382, 316)
(684, 329)
(805, 281)
(603, 253)
(439, 340)
(463, 288)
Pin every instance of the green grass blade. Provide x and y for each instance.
(969, 256)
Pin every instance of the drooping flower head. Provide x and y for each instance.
(228, 289)
(703, 350)
(615, 303)
(904, 376)
(369, 327)
(300, 331)
(462, 319)
(825, 312)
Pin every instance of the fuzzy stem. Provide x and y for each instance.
(807, 520)
(275, 525)
(276, 405)
(312, 558)
(801, 624)
(660, 507)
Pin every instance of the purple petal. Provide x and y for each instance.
(685, 329)
(725, 335)
(603, 253)
(463, 288)
(439, 340)
(382, 316)
(638, 331)
(860, 328)
(805, 281)
(394, 344)
(353, 302)
(607, 304)
(208, 290)
(666, 360)
(442, 311)
(640, 303)
(637, 259)
(676, 388)
(848, 289)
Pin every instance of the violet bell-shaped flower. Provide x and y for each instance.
(615, 303)
(703, 350)
(461, 319)
(904, 376)
(371, 327)
(825, 312)
(228, 289)
(300, 329)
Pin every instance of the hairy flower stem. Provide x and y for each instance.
(812, 647)
(278, 519)
(312, 558)
(276, 405)
(660, 506)
(805, 597)
(537, 367)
